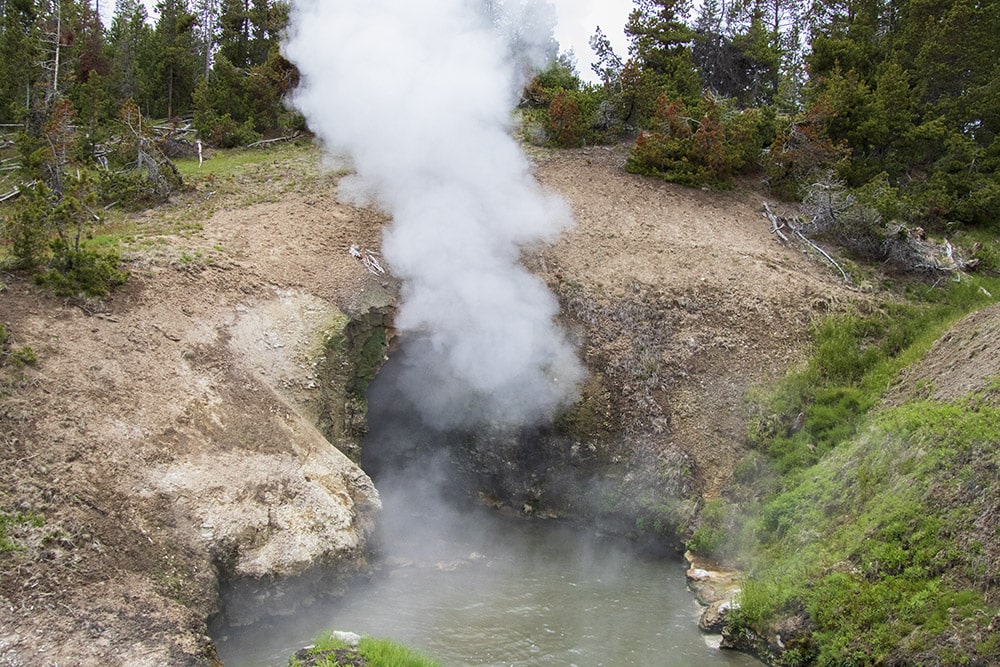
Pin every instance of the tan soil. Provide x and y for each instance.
(964, 361)
(737, 301)
(174, 421)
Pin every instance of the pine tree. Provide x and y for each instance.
(20, 55)
(129, 38)
(608, 65)
(207, 13)
(249, 29)
(661, 60)
(175, 43)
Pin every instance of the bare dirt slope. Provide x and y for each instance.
(169, 428)
(696, 299)
(964, 361)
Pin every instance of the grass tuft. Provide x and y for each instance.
(329, 651)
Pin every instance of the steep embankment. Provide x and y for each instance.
(168, 431)
(885, 550)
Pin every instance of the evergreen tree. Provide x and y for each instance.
(175, 45)
(130, 38)
(249, 29)
(20, 54)
(712, 52)
(234, 31)
(608, 64)
(207, 13)
(661, 43)
(660, 58)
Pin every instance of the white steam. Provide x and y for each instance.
(418, 94)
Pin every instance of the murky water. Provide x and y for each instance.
(471, 587)
(477, 588)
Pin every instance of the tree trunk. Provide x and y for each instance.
(170, 92)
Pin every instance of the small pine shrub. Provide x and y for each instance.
(83, 271)
(131, 190)
(25, 230)
(224, 132)
(703, 145)
(566, 126)
(802, 150)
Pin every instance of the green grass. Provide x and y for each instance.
(23, 356)
(9, 523)
(872, 525)
(329, 651)
(229, 178)
(232, 162)
(876, 543)
(856, 357)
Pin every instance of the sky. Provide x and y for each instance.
(578, 19)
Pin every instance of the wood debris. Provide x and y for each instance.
(368, 259)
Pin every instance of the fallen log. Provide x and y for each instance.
(266, 142)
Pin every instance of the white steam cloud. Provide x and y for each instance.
(419, 94)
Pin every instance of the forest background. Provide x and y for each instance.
(886, 110)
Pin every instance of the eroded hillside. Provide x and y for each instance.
(168, 431)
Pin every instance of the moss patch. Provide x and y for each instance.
(353, 351)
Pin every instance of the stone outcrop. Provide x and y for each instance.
(716, 588)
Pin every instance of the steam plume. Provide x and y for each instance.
(418, 94)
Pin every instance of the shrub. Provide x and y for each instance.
(81, 271)
(27, 228)
(758, 602)
(703, 145)
(566, 126)
(224, 132)
(713, 528)
(802, 150)
(127, 189)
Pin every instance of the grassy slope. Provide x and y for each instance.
(869, 531)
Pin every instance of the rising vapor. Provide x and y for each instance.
(418, 94)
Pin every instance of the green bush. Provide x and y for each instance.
(700, 145)
(26, 229)
(758, 602)
(224, 132)
(131, 190)
(714, 529)
(84, 271)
